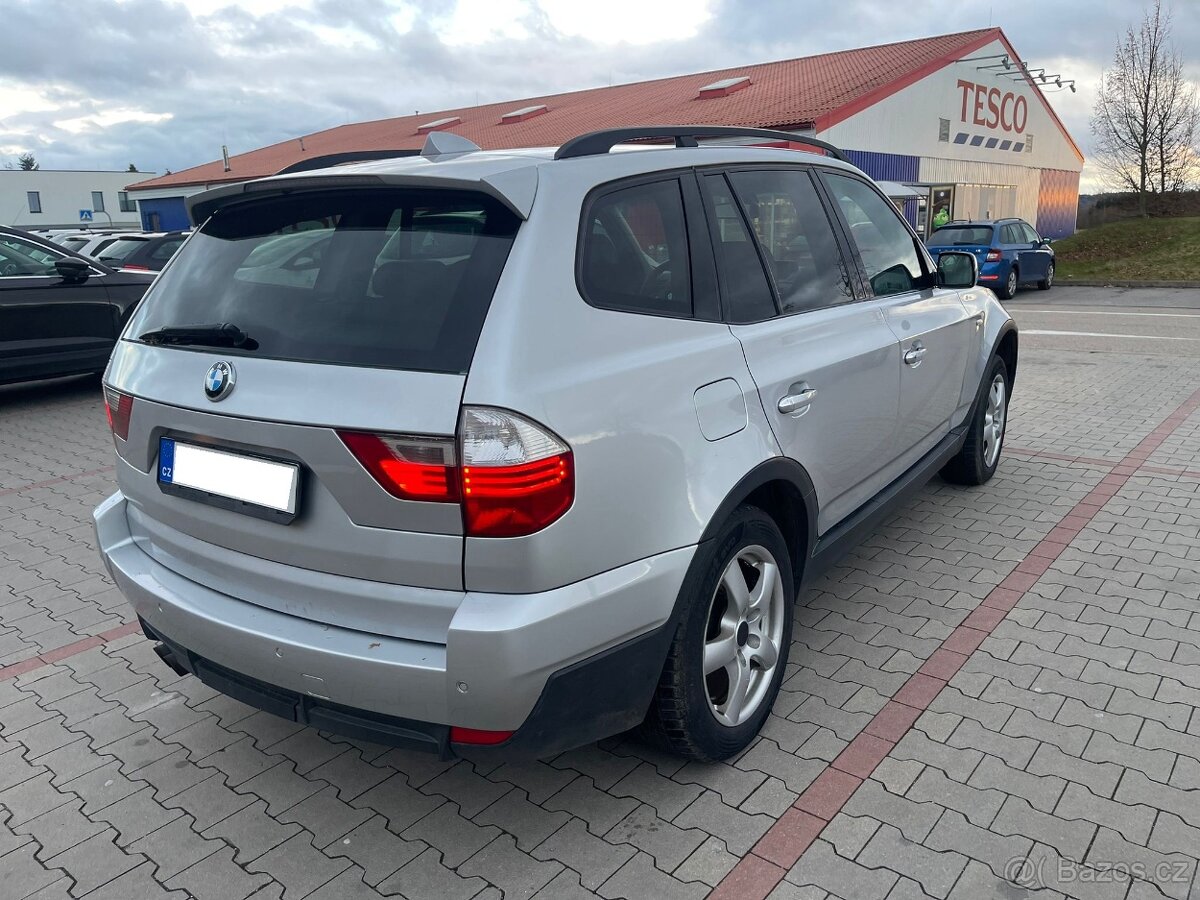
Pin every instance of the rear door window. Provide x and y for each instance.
(796, 238)
(398, 279)
(635, 251)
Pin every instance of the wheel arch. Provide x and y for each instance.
(1005, 347)
(782, 489)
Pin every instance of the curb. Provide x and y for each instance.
(1067, 281)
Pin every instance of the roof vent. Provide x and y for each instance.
(724, 87)
(438, 124)
(525, 112)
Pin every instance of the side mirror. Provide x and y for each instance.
(73, 271)
(1046, 242)
(957, 270)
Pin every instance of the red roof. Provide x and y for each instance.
(793, 93)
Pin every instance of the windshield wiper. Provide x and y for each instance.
(223, 335)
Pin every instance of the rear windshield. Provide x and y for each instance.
(119, 249)
(397, 279)
(961, 236)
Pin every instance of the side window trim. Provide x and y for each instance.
(714, 238)
(598, 193)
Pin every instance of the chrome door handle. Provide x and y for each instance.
(914, 356)
(797, 403)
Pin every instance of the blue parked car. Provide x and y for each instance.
(1010, 252)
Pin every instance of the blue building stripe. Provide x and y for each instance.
(961, 137)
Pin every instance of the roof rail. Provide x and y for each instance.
(598, 142)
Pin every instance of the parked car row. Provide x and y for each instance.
(139, 251)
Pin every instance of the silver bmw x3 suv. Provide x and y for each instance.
(514, 450)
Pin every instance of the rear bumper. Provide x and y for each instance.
(560, 667)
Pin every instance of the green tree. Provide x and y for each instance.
(132, 168)
(27, 163)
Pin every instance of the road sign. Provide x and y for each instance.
(85, 215)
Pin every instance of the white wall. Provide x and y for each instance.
(63, 195)
(907, 121)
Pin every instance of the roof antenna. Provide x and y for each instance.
(225, 156)
(301, 143)
(439, 144)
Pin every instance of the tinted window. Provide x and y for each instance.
(1030, 235)
(166, 249)
(962, 236)
(885, 246)
(18, 258)
(635, 255)
(796, 238)
(744, 288)
(306, 278)
(119, 249)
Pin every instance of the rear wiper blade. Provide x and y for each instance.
(223, 335)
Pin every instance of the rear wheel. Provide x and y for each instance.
(727, 659)
(1009, 287)
(976, 462)
(1048, 282)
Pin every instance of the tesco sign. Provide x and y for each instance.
(992, 108)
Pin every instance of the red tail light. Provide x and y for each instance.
(411, 468)
(517, 477)
(511, 476)
(134, 267)
(118, 406)
(477, 736)
(507, 501)
(993, 256)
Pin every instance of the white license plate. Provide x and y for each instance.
(261, 482)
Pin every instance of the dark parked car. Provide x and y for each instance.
(60, 313)
(1010, 252)
(142, 253)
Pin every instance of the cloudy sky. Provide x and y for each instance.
(164, 83)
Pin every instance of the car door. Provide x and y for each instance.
(824, 364)
(934, 329)
(49, 326)
(1035, 256)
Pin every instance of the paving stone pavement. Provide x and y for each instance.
(1061, 759)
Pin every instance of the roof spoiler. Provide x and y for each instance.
(598, 142)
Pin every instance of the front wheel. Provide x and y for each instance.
(727, 659)
(976, 462)
(1048, 282)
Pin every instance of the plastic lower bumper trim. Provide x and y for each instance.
(306, 710)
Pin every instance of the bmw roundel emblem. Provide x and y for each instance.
(218, 382)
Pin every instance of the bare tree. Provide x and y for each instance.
(1147, 115)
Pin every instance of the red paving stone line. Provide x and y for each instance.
(51, 481)
(759, 871)
(57, 655)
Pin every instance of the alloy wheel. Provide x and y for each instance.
(993, 421)
(742, 638)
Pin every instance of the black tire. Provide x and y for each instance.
(1048, 282)
(1009, 288)
(681, 718)
(971, 466)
